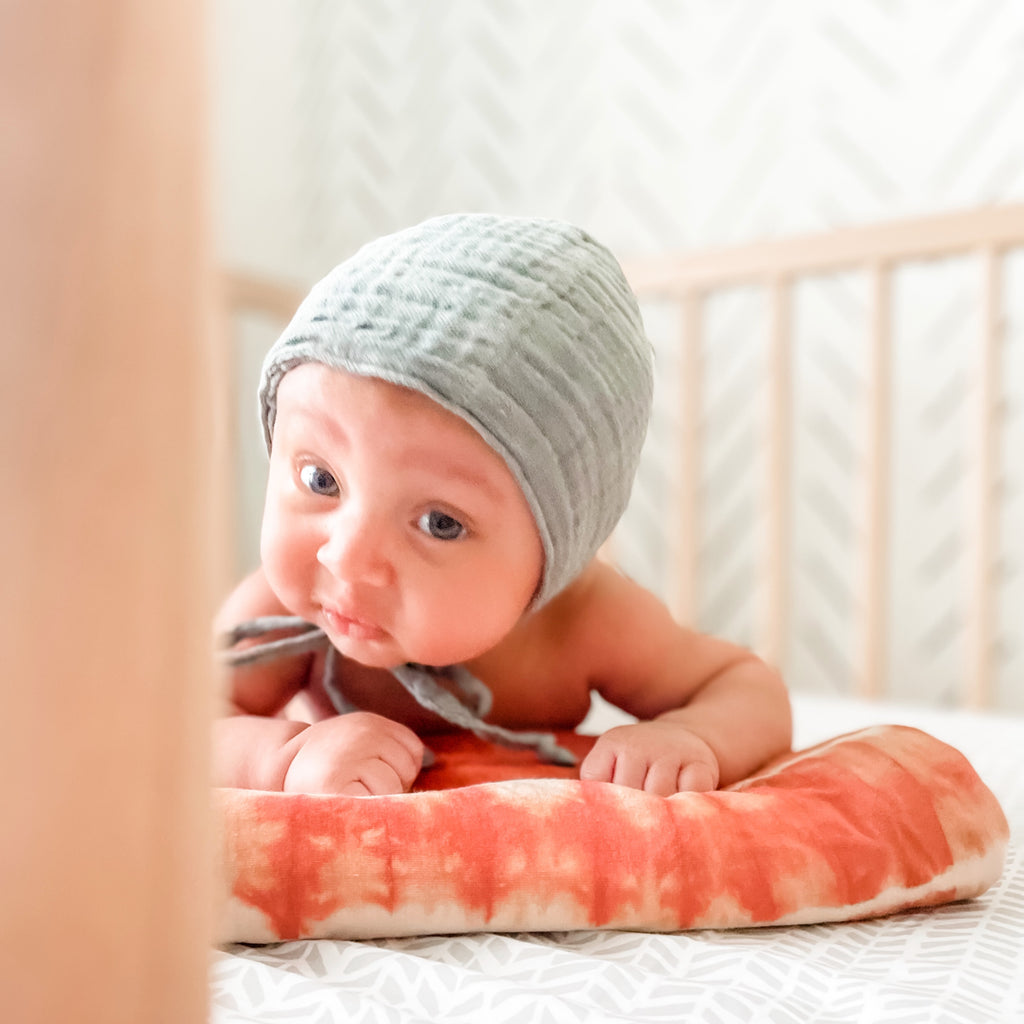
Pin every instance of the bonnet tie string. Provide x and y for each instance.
(419, 680)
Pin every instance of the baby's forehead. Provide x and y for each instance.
(406, 430)
(318, 391)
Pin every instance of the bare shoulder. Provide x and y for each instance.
(604, 608)
(599, 621)
(636, 654)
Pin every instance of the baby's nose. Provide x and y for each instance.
(357, 550)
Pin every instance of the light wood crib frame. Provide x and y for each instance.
(688, 281)
(776, 267)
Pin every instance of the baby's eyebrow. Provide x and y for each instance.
(324, 424)
(469, 476)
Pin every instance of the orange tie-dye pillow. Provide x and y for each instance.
(863, 825)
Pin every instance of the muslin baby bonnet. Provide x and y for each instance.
(527, 330)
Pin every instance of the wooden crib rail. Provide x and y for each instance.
(777, 266)
(903, 241)
(244, 292)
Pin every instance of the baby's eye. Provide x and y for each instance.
(319, 481)
(440, 525)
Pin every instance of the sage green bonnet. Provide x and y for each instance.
(527, 330)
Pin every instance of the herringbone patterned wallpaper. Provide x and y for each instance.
(672, 124)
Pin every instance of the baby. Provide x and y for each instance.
(455, 417)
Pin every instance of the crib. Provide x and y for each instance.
(957, 962)
(983, 238)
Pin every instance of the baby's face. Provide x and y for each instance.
(391, 524)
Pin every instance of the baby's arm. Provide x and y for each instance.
(253, 748)
(711, 712)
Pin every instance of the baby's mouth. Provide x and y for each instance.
(351, 626)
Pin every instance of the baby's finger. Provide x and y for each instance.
(355, 788)
(598, 765)
(407, 739)
(663, 778)
(697, 778)
(629, 771)
(374, 777)
(404, 759)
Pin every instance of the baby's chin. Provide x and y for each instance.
(385, 652)
(429, 656)
(375, 654)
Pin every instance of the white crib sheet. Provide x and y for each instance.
(962, 962)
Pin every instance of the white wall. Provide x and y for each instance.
(671, 125)
(654, 123)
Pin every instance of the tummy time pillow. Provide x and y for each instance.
(492, 840)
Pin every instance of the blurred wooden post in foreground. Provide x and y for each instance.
(107, 526)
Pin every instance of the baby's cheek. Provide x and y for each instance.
(448, 634)
(286, 571)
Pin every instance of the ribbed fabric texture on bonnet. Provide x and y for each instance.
(525, 328)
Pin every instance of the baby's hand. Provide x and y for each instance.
(358, 754)
(658, 757)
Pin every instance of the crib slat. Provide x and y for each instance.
(981, 623)
(683, 598)
(778, 465)
(873, 671)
